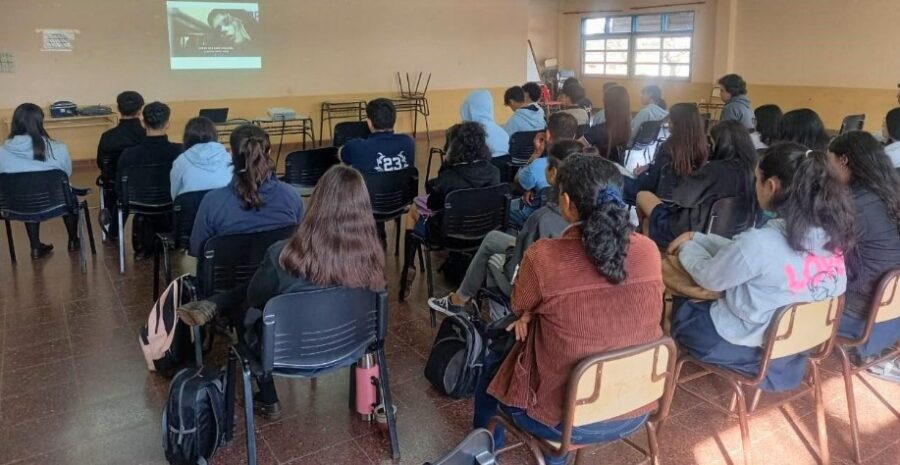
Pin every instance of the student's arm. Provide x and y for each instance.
(729, 112)
(65, 160)
(512, 124)
(711, 242)
(264, 284)
(203, 228)
(719, 272)
(175, 179)
(526, 178)
(527, 293)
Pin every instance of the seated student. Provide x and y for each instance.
(546, 222)
(804, 127)
(596, 289)
(384, 150)
(733, 91)
(29, 148)
(466, 166)
(525, 117)
(205, 163)
(570, 97)
(533, 94)
(767, 119)
(479, 108)
(686, 150)
(654, 109)
(600, 116)
(533, 178)
(892, 135)
(729, 173)
(762, 270)
(255, 200)
(128, 133)
(154, 150)
(581, 99)
(862, 165)
(613, 133)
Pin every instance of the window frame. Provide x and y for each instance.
(632, 37)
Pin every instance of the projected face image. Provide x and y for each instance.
(231, 29)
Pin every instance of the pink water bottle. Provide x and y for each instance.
(366, 393)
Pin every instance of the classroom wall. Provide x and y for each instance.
(313, 50)
(543, 28)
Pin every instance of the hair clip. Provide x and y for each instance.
(610, 195)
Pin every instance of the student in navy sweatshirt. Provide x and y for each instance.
(384, 150)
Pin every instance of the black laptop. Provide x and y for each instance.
(216, 115)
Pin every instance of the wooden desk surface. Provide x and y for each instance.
(110, 120)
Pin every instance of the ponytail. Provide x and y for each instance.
(594, 185)
(250, 147)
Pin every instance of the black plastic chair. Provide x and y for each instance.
(853, 123)
(431, 154)
(475, 449)
(647, 135)
(38, 196)
(106, 181)
(521, 146)
(146, 192)
(729, 217)
(467, 217)
(184, 212)
(581, 130)
(348, 130)
(313, 333)
(303, 168)
(391, 194)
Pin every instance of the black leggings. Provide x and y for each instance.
(34, 230)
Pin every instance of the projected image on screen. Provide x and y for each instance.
(214, 35)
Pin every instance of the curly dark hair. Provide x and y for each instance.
(811, 196)
(467, 143)
(594, 186)
(734, 84)
(870, 167)
(156, 115)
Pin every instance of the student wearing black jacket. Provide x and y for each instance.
(467, 166)
(862, 164)
(128, 133)
(729, 173)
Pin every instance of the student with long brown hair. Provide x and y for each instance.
(616, 130)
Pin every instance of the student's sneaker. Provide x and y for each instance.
(445, 306)
(266, 410)
(197, 313)
(41, 251)
(888, 371)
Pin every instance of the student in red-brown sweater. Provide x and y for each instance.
(596, 289)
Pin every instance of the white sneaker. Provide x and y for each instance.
(889, 370)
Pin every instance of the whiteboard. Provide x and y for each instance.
(532, 74)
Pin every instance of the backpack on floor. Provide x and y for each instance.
(195, 420)
(165, 340)
(456, 357)
(454, 269)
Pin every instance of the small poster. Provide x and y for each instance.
(58, 40)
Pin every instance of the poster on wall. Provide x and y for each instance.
(58, 40)
(214, 35)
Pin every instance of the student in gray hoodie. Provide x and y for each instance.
(733, 91)
(29, 148)
(655, 109)
(794, 258)
(205, 163)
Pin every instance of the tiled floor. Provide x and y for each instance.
(74, 388)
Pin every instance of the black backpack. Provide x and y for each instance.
(195, 421)
(456, 357)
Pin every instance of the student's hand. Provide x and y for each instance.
(675, 246)
(641, 170)
(540, 145)
(527, 197)
(520, 326)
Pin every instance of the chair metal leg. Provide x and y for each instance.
(421, 257)
(198, 345)
(352, 396)
(121, 242)
(388, 402)
(156, 259)
(847, 372)
(824, 454)
(430, 280)
(167, 265)
(229, 396)
(399, 227)
(102, 207)
(82, 258)
(9, 241)
(744, 422)
(248, 415)
(653, 443)
(90, 228)
(408, 261)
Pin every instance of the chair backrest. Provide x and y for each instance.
(470, 214)
(802, 327)
(853, 123)
(37, 195)
(729, 216)
(887, 297)
(323, 329)
(227, 261)
(475, 449)
(648, 133)
(146, 186)
(521, 146)
(347, 130)
(581, 130)
(184, 211)
(608, 385)
(305, 167)
(392, 192)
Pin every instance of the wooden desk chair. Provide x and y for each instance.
(885, 307)
(606, 386)
(816, 325)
